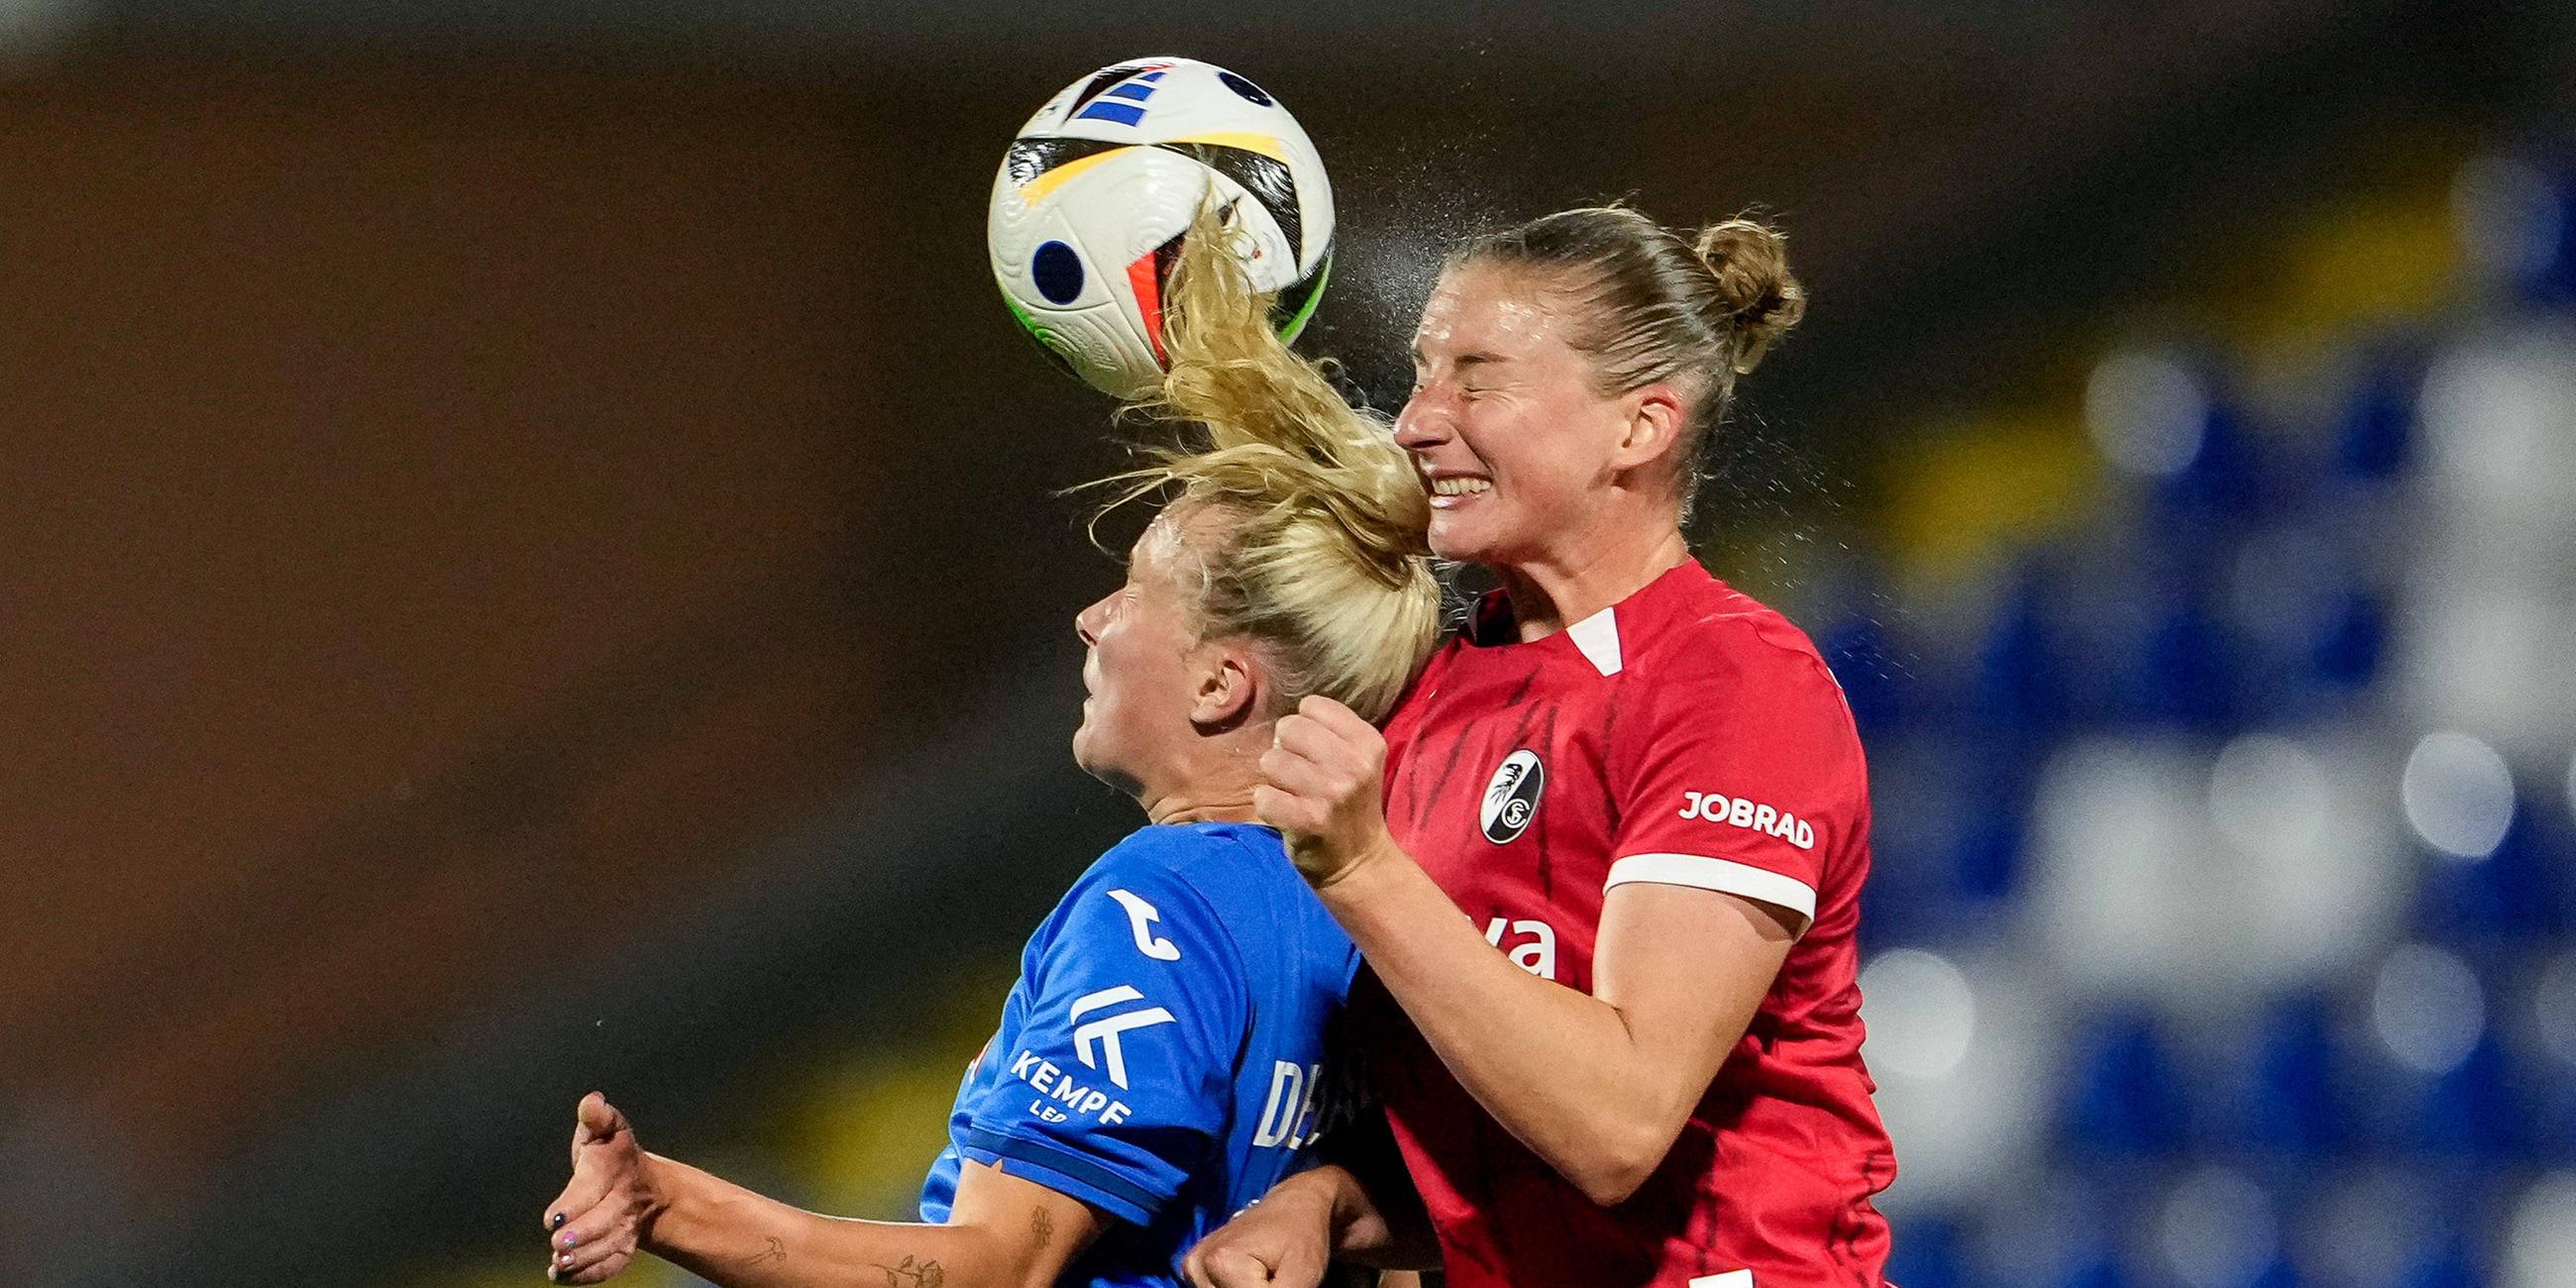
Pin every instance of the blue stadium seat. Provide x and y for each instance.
(2281, 1273)
(2549, 279)
(2345, 652)
(1986, 850)
(2551, 1097)
(2447, 1264)
(2124, 1099)
(2519, 893)
(2474, 1114)
(2017, 686)
(1876, 679)
(1927, 1253)
(2293, 1097)
(2224, 481)
(2098, 1272)
(2377, 425)
(2191, 669)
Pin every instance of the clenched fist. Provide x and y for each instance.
(1284, 1240)
(1323, 787)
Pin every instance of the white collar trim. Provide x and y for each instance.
(1598, 637)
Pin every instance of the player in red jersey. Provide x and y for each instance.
(1641, 786)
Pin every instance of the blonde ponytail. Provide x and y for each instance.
(1325, 557)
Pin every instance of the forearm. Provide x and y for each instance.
(734, 1237)
(1558, 1068)
(1389, 1235)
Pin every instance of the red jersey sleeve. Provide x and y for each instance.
(1744, 777)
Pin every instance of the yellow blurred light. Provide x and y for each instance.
(1964, 493)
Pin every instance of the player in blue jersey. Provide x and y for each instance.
(1160, 1063)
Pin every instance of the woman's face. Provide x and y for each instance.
(1505, 423)
(1143, 663)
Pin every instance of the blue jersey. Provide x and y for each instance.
(1162, 1056)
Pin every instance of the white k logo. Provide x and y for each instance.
(1103, 1032)
(1140, 918)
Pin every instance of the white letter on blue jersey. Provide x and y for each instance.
(1103, 1032)
(1279, 1113)
(1140, 915)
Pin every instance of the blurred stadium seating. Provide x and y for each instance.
(481, 455)
(2230, 838)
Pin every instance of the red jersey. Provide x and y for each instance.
(1689, 736)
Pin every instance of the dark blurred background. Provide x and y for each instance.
(533, 563)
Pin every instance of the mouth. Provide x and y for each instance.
(1450, 490)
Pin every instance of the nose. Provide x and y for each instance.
(1424, 422)
(1086, 623)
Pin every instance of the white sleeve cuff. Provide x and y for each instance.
(1722, 875)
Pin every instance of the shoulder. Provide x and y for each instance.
(1202, 879)
(1209, 859)
(1716, 666)
(1159, 896)
(1711, 633)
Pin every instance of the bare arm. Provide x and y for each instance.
(1597, 1084)
(1004, 1232)
(1303, 1225)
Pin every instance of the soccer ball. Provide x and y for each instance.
(1099, 188)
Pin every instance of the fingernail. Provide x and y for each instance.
(569, 1240)
(556, 1221)
(564, 1260)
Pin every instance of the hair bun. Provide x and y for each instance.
(1758, 300)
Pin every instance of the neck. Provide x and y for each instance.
(1564, 586)
(1215, 781)
(1177, 809)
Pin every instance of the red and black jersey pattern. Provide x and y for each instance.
(1687, 736)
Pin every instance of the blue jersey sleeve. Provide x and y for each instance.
(1118, 1086)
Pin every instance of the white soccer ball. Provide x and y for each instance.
(1096, 192)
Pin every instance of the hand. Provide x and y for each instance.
(596, 1226)
(1284, 1238)
(1323, 787)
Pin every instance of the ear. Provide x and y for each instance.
(1229, 691)
(1653, 426)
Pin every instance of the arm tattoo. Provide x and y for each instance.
(914, 1274)
(1042, 1225)
(776, 1251)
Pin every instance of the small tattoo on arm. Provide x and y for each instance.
(1042, 1225)
(914, 1274)
(776, 1251)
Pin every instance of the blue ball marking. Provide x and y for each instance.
(1244, 87)
(1057, 270)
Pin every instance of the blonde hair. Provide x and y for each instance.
(1323, 557)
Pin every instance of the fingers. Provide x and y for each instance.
(1300, 1267)
(590, 1234)
(588, 1263)
(1301, 818)
(579, 1194)
(1307, 737)
(1322, 727)
(1302, 775)
(1333, 715)
(605, 1225)
(598, 1117)
(595, 1170)
(1228, 1268)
